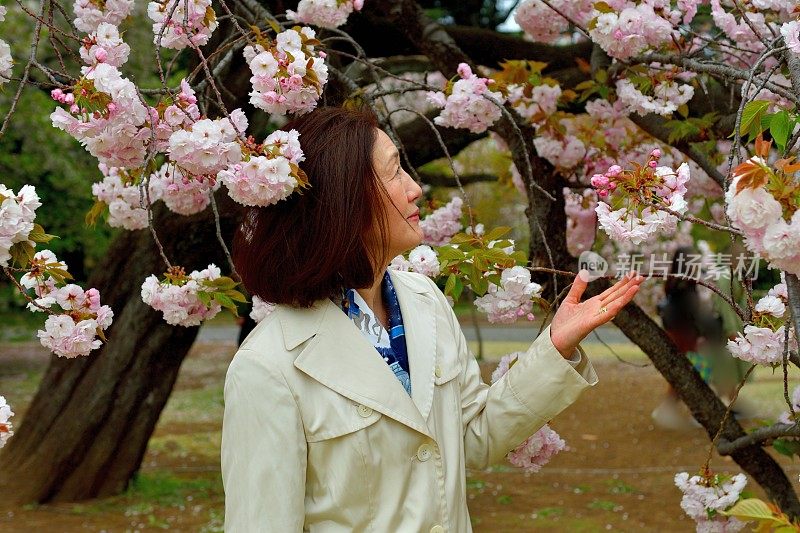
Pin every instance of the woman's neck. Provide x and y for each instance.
(374, 297)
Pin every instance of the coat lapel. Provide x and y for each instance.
(339, 357)
(419, 321)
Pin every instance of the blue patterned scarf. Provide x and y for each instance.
(390, 345)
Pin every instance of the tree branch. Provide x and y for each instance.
(757, 437)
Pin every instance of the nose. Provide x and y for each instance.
(414, 191)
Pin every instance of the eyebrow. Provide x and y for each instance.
(394, 157)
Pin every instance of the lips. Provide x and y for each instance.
(414, 216)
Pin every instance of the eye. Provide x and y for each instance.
(398, 170)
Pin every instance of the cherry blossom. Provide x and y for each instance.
(261, 309)
(631, 31)
(208, 146)
(467, 104)
(324, 13)
(543, 24)
(125, 199)
(105, 115)
(786, 417)
(6, 62)
(703, 499)
(566, 152)
(512, 299)
(181, 192)
(289, 75)
(581, 219)
(91, 13)
(180, 23)
(637, 220)
(6, 430)
(759, 345)
(17, 213)
(177, 296)
(104, 45)
(541, 103)
(268, 172)
(760, 216)
(667, 97)
(537, 450)
(440, 226)
(76, 316)
(424, 260)
(400, 263)
(791, 35)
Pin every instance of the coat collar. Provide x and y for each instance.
(339, 357)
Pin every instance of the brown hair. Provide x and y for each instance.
(317, 242)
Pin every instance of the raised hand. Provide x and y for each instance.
(574, 319)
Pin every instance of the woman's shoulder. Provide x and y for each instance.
(264, 349)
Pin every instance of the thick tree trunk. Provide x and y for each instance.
(86, 431)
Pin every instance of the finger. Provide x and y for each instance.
(615, 306)
(618, 288)
(578, 287)
(622, 291)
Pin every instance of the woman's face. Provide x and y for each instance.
(402, 213)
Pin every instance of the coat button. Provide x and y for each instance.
(424, 452)
(364, 411)
(437, 529)
(438, 371)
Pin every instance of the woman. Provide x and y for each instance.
(687, 320)
(356, 405)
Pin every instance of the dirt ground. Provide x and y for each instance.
(616, 476)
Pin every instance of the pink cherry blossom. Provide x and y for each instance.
(666, 99)
(126, 201)
(700, 498)
(67, 338)
(190, 23)
(90, 14)
(6, 429)
(289, 76)
(469, 104)
(259, 181)
(424, 260)
(324, 13)
(6, 62)
(261, 309)
(511, 300)
(537, 450)
(104, 45)
(440, 226)
(17, 213)
(180, 303)
(543, 24)
(182, 193)
(791, 35)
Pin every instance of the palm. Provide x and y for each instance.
(574, 319)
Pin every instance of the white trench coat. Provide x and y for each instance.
(319, 435)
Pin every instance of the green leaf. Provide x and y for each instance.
(450, 284)
(448, 253)
(750, 509)
(603, 7)
(457, 289)
(37, 234)
(225, 302)
(496, 233)
(94, 213)
(683, 110)
(236, 296)
(751, 117)
(204, 297)
(22, 253)
(788, 447)
(223, 283)
(779, 128)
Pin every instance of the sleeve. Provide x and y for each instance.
(263, 450)
(497, 418)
